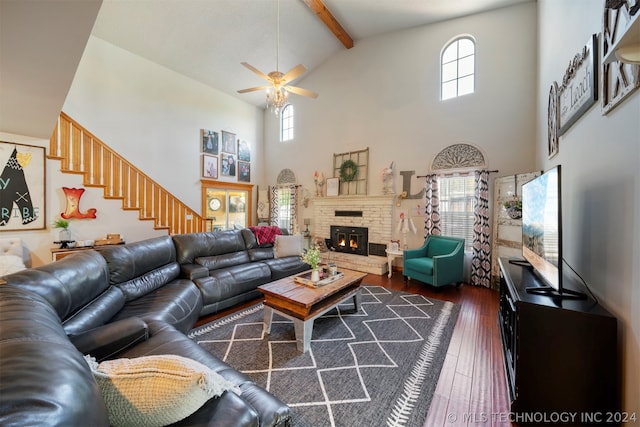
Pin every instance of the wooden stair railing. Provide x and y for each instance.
(80, 152)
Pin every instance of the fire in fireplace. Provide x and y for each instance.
(351, 240)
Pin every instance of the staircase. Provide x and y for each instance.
(80, 152)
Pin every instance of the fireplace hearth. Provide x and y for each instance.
(350, 240)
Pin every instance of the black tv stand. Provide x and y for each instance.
(560, 355)
(553, 293)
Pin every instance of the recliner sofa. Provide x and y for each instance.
(126, 301)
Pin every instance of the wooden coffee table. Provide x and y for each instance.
(303, 304)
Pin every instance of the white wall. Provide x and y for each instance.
(150, 115)
(384, 94)
(110, 218)
(153, 116)
(600, 158)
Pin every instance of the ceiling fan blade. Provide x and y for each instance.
(301, 91)
(255, 70)
(293, 73)
(253, 89)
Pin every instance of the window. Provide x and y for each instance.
(286, 123)
(457, 204)
(458, 68)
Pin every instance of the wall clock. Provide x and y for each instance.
(214, 204)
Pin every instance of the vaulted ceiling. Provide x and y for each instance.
(206, 40)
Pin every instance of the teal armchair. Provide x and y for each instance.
(439, 262)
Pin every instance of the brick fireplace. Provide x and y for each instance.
(372, 212)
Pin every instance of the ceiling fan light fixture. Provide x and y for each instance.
(277, 98)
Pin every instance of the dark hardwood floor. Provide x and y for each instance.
(472, 389)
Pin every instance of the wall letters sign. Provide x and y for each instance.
(22, 188)
(579, 89)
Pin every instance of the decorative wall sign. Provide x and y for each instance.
(73, 196)
(579, 89)
(552, 121)
(22, 187)
(619, 80)
(209, 141)
(458, 156)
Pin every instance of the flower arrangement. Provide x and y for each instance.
(312, 256)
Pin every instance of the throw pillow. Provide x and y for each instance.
(10, 264)
(287, 246)
(155, 390)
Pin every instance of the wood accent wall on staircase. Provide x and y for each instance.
(80, 152)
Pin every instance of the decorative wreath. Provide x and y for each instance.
(348, 170)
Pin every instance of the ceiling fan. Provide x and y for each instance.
(278, 91)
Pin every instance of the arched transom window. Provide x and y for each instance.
(458, 68)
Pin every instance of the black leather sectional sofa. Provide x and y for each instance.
(128, 301)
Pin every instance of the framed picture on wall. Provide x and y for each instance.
(209, 141)
(244, 152)
(209, 166)
(228, 164)
(22, 187)
(333, 186)
(228, 142)
(244, 171)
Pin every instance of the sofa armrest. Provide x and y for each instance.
(110, 339)
(193, 271)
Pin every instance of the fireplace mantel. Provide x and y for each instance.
(345, 201)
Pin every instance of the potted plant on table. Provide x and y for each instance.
(64, 241)
(312, 257)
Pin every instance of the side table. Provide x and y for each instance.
(391, 255)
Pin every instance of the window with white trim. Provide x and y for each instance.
(286, 123)
(457, 204)
(457, 68)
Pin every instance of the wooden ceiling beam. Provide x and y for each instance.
(321, 11)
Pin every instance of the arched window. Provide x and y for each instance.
(286, 123)
(458, 68)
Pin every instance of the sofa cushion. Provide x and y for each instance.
(423, 265)
(156, 390)
(216, 262)
(95, 313)
(140, 267)
(228, 282)
(44, 380)
(193, 245)
(68, 284)
(165, 339)
(438, 246)
(178, 303)
(285, 246)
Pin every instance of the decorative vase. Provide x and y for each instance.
(315, 275)
(65, 235)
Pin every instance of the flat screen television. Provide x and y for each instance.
(542, 232)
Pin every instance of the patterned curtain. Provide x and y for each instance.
(284, 207)
(432, 206)
(481, 261)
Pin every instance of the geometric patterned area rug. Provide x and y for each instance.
(375, 367)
